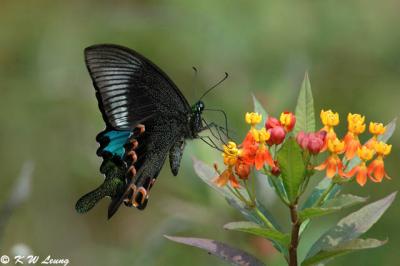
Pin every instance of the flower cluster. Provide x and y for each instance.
(254, 151)
(350, 146)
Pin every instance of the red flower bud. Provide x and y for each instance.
(321, 134)
(277, 136)
(276, 171)
(302, 140)
(242, 170)
(315, 144)
(272, 122)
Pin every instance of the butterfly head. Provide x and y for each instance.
(195, 122)
(198, 107)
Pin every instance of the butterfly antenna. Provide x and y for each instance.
(194, 80)
(216, 85)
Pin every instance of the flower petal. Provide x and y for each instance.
(362, 176)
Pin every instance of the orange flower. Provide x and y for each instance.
(333, 164)
(375, 129)
(365, 154)
(230, 156)
(226, 176)
(376, 170)
(329, 119)
(248, 152)
(262, 154)
(355, 126)
(352, 143)
(242, 169)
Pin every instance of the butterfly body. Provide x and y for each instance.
(147, 119)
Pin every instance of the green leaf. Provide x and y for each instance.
(342, 249)
(318, 191)
(232, 255)
(255, 229)
(389, 131)
(352, 226)
(292, 168)
(305, 117)
(258, 108)
(275, 186)
(315, 195)
(333, 205)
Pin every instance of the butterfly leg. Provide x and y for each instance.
(219, 129)
(207, 140)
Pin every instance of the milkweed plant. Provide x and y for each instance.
(287, 152)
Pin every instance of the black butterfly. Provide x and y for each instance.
(147, 118)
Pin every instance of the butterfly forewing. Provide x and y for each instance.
(131, 88)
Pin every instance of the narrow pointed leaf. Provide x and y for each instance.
(318, 191)
(305, 117)
(357, 244)
(352, 226)
(232, 255)
(255, 229)
(390, 128)
(258, 108)
(333, 205)
(292, 167)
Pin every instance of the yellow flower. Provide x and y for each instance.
(356, 123)
(329, 119)
(230, 154)
(376, 128)
(365, 153)
(336, 146)
(361, 170)
(382, 149)
(253, 118)
(288, 120)
(261, 136)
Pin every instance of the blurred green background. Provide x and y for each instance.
(49, 115)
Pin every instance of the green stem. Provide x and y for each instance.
(251, 195)
(264, 219)
(322, 198)
(236, 194)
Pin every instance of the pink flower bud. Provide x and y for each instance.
(272, 122)
(315, 144)
(321, 134)
(278, 134)
(302, 139)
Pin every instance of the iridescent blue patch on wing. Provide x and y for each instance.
(117, 141)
